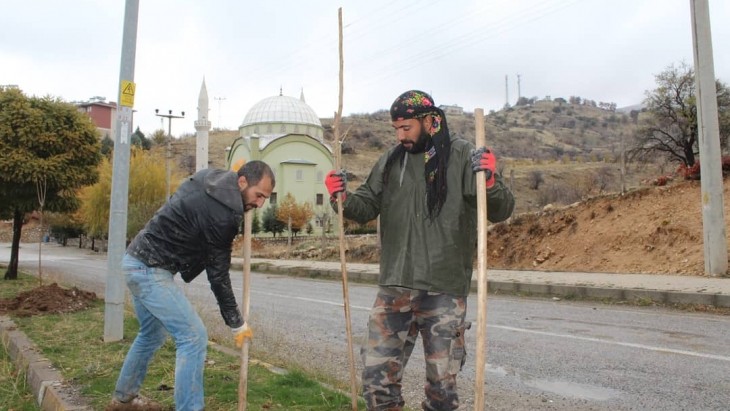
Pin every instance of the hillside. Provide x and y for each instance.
(571, 148)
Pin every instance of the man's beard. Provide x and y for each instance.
(420, 145)
(246, 206)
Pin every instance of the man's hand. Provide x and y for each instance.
(483, 160)
(336, 182)
(242, 333)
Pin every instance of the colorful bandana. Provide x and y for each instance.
(417, 104)
(412, 104)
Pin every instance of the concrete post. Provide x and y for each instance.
(713, 219)
(115, 284)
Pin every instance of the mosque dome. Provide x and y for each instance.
(281, 109)
(278, 116)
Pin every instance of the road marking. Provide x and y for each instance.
(619, 343)
(311, 300)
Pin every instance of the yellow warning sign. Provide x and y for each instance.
(127, 94)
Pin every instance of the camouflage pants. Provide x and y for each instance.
(397, 317)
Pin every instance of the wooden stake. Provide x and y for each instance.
(243, 377)
(343, 260)
(481, 356)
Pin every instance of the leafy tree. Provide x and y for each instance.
(138, 139)
(575, 100)
(107, 145)
(42, 140)
(147, 190)
(256, 223)
(523, 101)
(300, 214)
(159, 137)
(95, 201)
(64, 226)
(669, 126)
(271, 223)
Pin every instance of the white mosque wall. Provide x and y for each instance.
(299, 164)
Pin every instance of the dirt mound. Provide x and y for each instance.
(48, 299)
(651, 230)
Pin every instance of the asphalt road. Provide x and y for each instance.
(542, 354)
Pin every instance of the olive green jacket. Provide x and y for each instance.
(419, 253)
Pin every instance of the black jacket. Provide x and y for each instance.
(194, 231)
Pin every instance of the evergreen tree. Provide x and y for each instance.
(42, 140)
(107, 146)
(256, 223)
(271, 223)
(138, 139)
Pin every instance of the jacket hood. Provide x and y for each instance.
(222, 185)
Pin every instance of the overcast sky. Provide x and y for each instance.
(458, 50)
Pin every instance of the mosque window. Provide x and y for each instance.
(320, 199)
(299, 175)
(272, 199)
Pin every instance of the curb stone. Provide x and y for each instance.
(519, 287)
(46, 383)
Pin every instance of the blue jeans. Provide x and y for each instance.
(162, 308)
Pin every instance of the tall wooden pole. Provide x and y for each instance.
(343, 260)
(481, 356)
(243, 377)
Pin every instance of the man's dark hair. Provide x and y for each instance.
(254, 171)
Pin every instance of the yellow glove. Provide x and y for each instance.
(242, 333)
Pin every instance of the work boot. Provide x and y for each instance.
(138, 403)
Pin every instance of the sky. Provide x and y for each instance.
(469, 53)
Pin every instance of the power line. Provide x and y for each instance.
(449, 46)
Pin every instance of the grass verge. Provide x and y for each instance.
(74, 344)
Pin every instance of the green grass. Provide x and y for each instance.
(14, 392)
(74, 344)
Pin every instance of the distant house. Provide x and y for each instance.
(103, 114)
(452, 110)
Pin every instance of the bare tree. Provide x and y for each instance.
(670, 127)
(535, 178)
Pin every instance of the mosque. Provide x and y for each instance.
(285, 133)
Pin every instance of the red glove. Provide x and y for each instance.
(484, 160)
(336, 182)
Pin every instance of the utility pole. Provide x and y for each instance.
(506, 91)
(708, 130)
(219, 100)
(115, 284)
(169, 118)
(623, 164)
(519, 92)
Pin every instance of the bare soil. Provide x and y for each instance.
(48, 299)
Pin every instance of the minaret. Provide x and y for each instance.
(202, 126)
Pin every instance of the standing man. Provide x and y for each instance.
(424, 190)
(192, 232)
